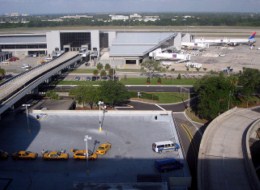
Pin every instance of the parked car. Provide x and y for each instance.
(24, 155)
(13, 59)
(81, 155)
(88, 78)
(55, 155)
(77, 78)
(103, 148)
(94, 78)
(167, 164)
(3, 155)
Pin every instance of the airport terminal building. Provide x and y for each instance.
(122, 48)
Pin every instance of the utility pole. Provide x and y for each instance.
(86, 140)
(27, 116)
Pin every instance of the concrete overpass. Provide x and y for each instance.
(18, 87)
(223, 161)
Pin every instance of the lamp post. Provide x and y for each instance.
(86, 140)
(27, 116)
(188, 91)
(99, 115)
(101, 107)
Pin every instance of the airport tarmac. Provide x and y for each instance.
(216, 58)
(131, 136)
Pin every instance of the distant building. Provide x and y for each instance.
(135, 16)
(187, 16)
(53, 20)
(76, 17)
(151, 18)
(119, 17)
(14, 14)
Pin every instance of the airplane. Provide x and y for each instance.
(194, 46)
(229, 41)
(158, 54)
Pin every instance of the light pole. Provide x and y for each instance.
(229, 99)
(99, 115)
(101, 107)
(27, 116)
(86, 140)
(188, 92)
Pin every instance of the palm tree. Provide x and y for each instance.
(2, 73)
(95, 72)
(103, 73)
(99, 66)
(107, 67)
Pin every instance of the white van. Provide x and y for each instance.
(165, 146)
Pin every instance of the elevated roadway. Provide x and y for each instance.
(13, 90)
(222, 163)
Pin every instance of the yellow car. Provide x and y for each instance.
(103, 148)
(24, 155)
(55, 155)
(3, 155)
(81, 155)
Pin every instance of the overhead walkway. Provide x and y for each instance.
(13, 90)
(222, 162)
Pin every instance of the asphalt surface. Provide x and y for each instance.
(131, 152)
(222, 154)
(190, 137)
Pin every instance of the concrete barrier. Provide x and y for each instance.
(209, 129)
(254, 181)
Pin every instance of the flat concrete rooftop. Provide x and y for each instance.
(130, 133)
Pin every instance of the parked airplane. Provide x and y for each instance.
(194, 46)
(228, 41)
(158, 54)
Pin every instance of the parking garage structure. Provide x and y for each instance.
(129, 161)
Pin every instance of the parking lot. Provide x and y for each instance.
(131, 136)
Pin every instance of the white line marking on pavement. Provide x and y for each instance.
(160, 107)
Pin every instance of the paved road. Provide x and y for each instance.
(18, 82)
(190, 137)
(134, 105)
(221, 157)
(162, 88)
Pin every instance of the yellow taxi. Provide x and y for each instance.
(3, 155)
(103, 148)
(81, 155)
(55, 155)
(24, 155)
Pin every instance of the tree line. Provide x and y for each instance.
(110, 92)
(167, 19)
(217, 94)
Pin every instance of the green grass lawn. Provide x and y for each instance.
(135, 81)
(92, 69)
(170, 97)
(66, 82)
(142, 81)
(83, 71)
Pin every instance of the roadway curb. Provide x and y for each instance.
(255, 184)
(201, 155)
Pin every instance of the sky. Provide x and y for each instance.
(119, 6)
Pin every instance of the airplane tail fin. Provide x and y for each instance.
(252, 36)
